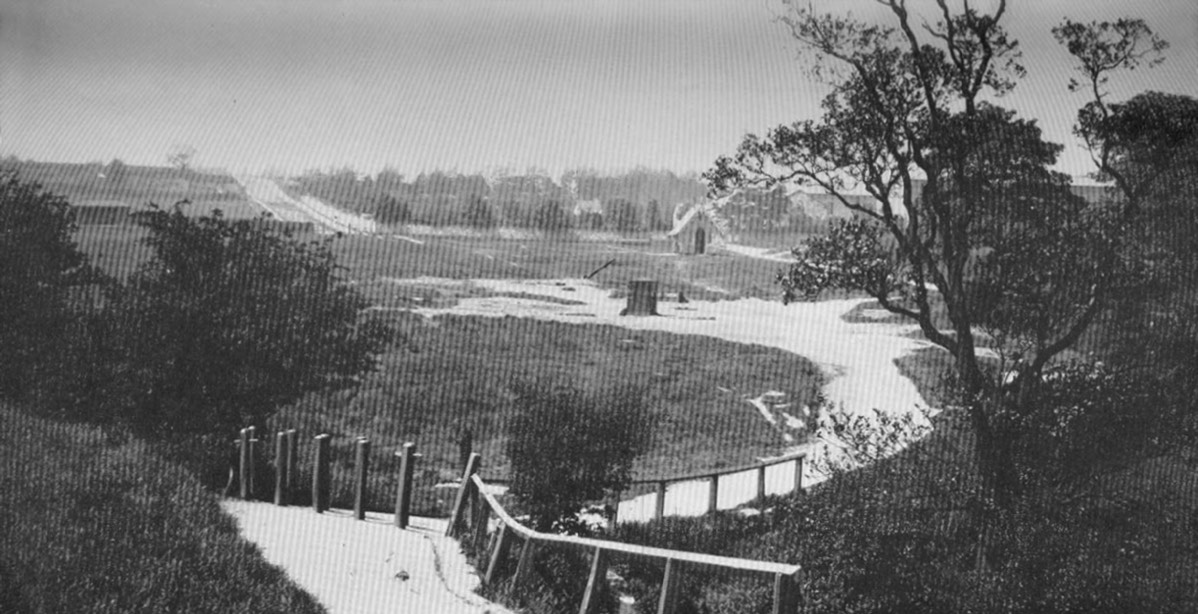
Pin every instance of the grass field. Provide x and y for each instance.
(370, 259)
(94, 523)
(458, 371)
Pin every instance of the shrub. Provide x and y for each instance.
(569, 448)
(231, 320)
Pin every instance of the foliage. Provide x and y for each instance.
(96, 522)
(41, 270)
(181, 156)
(962, 193)
(551, 217)
(478, 213)
(621, 215)
(229, 321)
(570, 448)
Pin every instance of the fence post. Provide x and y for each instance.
(320, 474)
(761, 482)
(594, 580)
(499, 553)
(786, 593)
(525, 563)
(459, 502)
(403, 495)
(292, 455)
(281, 469)
(713, 492)
(799, 474)
(253, 434)
(671, 580)
(243, 463)
(482, 514)
(361, 465)
(660, 508)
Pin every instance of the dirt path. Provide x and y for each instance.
(364, 567)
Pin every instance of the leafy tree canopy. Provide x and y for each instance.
(230, 320)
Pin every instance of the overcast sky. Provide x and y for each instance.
(464, 85)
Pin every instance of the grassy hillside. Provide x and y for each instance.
(458, 370)
(95, 523)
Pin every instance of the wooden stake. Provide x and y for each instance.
(524, 565)
(403, 494)
(243, 463)
(459, 503)
(667, 603)
(498, 554)
(660, 508)
(361, 466)
(594, 581)
(320, 475)
(713, 492)
(281, 475)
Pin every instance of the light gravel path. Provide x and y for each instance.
(358, 567)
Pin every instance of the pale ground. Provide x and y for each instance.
(857, 359)
(268, 195)
(357, 567)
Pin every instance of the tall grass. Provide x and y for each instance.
(92, 521)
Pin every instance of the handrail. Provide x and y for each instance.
(646, 551)
(697, 475)
(700, 475)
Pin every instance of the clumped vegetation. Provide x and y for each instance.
(569, 448)
(96, 521)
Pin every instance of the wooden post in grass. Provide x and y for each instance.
(403, 494)
(524, 564)
(761, 482)
(799, 474)
(594, 581)
(660, 503)
(786, 593)
(667, 603)
(281, 475)
(499, 553)
(320, 474)
(459, 502)
(253, 431)
(361, 462)
(482, 516)
(243, 463)
(713, 492)
(292, 455)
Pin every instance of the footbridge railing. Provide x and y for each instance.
(471, 519)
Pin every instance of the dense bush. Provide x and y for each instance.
(569, 447)
(41, 269)
(95, 521)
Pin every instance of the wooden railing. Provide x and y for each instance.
(713, 478)
(482, 505)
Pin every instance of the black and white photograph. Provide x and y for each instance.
(599, 306)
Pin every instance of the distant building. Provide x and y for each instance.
(700, 230)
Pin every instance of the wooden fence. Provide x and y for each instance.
(787, 579)
(285, 455)
(712, 477)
